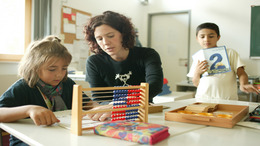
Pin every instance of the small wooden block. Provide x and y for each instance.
(201, 107)
(197, 108)
(155, 108)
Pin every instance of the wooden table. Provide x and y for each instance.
(183, 134)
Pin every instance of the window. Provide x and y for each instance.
(15, 29)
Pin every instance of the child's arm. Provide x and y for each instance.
(243, 81)
(39, 115)
(200, 69)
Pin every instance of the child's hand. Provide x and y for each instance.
(42, 116)
(249, 88)
(100, 116)
(201, 67)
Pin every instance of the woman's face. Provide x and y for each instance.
(207, 38)
(53, 71)
(110, 40)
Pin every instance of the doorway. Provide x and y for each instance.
(169, 35)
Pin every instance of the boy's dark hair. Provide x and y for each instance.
(208, 25)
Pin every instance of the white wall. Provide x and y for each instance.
(232, 16)
(130, 8)
(8, 68)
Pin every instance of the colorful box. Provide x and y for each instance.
(143, 133)
(257, 85)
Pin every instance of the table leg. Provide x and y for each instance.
(1, 139)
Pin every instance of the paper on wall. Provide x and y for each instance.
(67, 10)
(79, 32)
(69, 28)
(65, 20)
(81, 19)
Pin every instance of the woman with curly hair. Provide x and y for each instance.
(117, 62)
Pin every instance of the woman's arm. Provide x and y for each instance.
(153, 72)
(93, 73)
(100, 116)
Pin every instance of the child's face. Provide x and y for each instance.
(53, 71)
(207, 38)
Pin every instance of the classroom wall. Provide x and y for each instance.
(232, 16)
(130, 8)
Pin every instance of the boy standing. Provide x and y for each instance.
(217, 86)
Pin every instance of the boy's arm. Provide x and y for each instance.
(200, 69)
(243, 81)
(39, 115)
(196, 80)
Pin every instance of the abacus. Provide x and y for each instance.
(129, 103)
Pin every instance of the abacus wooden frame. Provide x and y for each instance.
(77, 112)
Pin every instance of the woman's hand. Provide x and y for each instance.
(42, 116)
(100, 116)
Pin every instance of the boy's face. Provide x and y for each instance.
(207, 38)
(53, 71)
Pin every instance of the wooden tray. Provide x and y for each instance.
(238, 111)
(155, 108)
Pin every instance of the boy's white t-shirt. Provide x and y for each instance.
(219, 86)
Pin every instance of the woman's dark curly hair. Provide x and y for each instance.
(115, 20)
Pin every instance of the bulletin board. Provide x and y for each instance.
(68, 19)
(255, 33)
(72, 24)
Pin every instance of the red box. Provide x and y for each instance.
(257, 85)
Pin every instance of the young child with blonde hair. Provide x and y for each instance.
(43, 88)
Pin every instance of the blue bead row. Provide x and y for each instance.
(131, 113)
(120, 99)
(132, 110)
(132, 105)
(119, 103)
(131, 117)
(119, 95)
(120, 91)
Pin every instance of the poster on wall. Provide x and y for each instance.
(72, 24)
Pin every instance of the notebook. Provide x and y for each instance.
(143, 133)
(65, 120)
